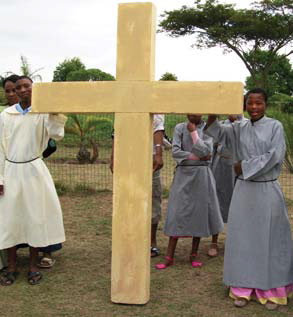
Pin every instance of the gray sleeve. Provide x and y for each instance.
(178, 153)
(262, 164)
(203, 147)
(224, 134)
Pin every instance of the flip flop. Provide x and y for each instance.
(34, 278)
(162, 266)
(194, 262)
(8, 278)
(46, 263)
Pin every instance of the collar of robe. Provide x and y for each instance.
(21, 110)
(16, 109)
(258, 120)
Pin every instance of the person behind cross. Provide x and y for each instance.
(158, 129)
(46, 260)
(30, 211)
(222, 168)
(193, 207)
(258, 249)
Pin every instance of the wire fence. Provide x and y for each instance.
(73, 168)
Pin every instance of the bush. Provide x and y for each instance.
(288, 107)
(100, 129)
(281, 102)
(287, 121)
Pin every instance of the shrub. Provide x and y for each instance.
(287, 121)
(281, 102)
(87, 131)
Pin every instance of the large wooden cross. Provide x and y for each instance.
(134, 97)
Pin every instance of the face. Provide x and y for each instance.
(232, 117)
(23, 88)
(193, 118)
(10, 94)
(255, 106)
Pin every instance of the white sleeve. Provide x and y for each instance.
(55, 126)
(2, 154)
(158, 124)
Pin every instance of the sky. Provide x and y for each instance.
(48, 32)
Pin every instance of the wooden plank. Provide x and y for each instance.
(132, 194)
(139, 97)
(136, 41)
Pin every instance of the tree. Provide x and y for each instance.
(169, 76)
(85, 127)
(67, 66)
(81, 126)
(279, 78)
(267, 26)
(25, 69)
(92, 74)
(74, 70)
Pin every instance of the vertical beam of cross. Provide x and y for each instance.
(133, 161)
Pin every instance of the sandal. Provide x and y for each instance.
(155, 252)
(213, 250)
(46, 263)
(8, 278)
(271, 306)
(162, 266)
(240, 302)
(193, 261)
(34, 278)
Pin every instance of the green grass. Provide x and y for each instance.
(79, 283)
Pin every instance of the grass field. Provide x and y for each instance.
(79, 283)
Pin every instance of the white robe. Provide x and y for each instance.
(30, 211)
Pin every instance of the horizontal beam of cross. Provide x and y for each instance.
(138, 97)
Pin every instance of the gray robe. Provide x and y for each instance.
(258, 250)
(193, 207)
(222, 168)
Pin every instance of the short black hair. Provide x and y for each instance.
(13, 78)
(257, 91)
(24, 77)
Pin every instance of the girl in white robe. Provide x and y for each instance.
(30, 211)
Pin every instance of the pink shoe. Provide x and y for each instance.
(193, 261)
(162, 266)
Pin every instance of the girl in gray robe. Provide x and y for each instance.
(258, 250)
(193, 208)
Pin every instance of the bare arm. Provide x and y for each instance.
(112, 157)
(158, 157)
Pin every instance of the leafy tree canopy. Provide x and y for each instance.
(266, 26)
(74, 70)
(169, 76)
(279, 78)
(92, 74)
(67, 66)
